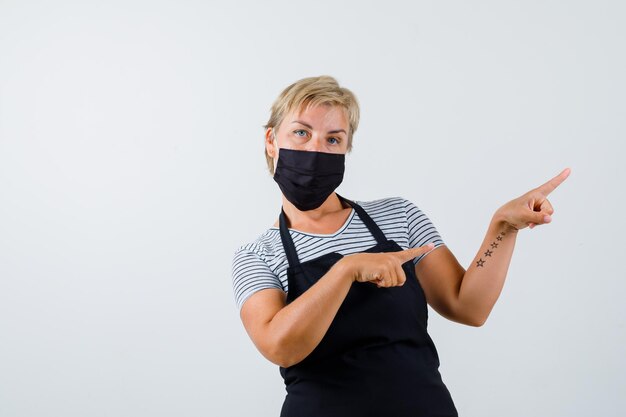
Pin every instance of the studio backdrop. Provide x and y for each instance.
(132, 167)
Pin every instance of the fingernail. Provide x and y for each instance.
(547, 218)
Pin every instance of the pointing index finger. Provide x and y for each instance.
(551, 185)
(411, 253)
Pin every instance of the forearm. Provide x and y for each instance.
(299, 326)
(484, 279)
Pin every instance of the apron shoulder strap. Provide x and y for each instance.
(290, 249)
(369, 222)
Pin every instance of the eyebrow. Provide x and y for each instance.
(311, 127)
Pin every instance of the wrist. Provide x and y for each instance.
(500, 223)
(345, 269)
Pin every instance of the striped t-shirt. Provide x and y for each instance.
(262, 263)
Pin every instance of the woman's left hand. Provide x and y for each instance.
(532, 208)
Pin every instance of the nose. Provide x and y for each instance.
(316, 144)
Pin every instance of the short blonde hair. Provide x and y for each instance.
(312, 91)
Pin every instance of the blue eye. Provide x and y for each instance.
(297, 133)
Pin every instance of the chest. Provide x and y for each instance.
(353, 239)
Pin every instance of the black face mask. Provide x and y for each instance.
(307, 178)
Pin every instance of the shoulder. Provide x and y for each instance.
(253, 265)
(381, 202)
(387, 205)
(398, 210)
(262, 247)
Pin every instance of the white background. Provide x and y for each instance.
(132, 167)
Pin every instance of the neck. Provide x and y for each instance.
(297, 217)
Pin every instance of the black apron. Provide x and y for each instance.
(376, 359)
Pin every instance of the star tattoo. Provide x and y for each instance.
(499, 237)
(480, 262)
(494, 245)
(488, 253)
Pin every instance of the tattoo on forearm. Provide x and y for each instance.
(488, 253)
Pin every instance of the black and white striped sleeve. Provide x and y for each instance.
(251, 274)
(421, 229)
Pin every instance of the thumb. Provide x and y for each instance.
(540, 217)
(408, 254)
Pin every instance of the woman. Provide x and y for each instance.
(335, 292)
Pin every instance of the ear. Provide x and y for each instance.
(270, 146)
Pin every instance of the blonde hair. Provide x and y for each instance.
(312, 91)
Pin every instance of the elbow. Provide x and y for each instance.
(464, 316)
(286, 362)
(283, 359)
(276, 355)
(282, 354)
(276, 359)
(476, 321)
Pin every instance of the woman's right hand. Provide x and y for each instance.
(382, 268)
